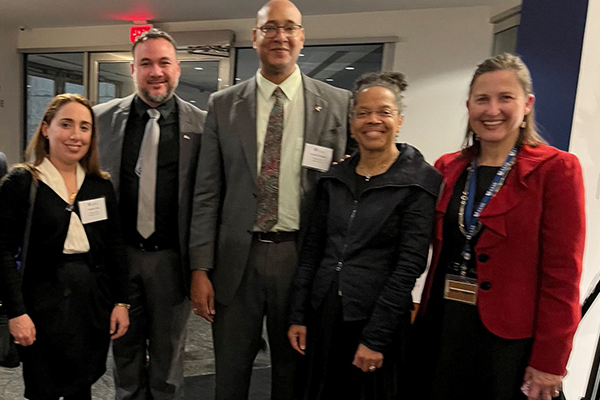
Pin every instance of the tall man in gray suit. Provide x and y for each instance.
(150, 143)
(266, 142)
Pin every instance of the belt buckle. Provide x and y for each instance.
(260, 238)
(151, 248)
(460, 289)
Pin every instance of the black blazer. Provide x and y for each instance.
(49, 229)
(374, 243)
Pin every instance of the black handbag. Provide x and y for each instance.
(9, 356)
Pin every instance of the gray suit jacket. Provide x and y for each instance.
(226, 182)
(112, 121)
(3, 165)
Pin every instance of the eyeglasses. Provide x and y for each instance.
(270, 31)
(388, 113)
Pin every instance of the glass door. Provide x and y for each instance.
(49, 74)
(110, 77)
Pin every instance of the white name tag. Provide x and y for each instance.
(92, 210)
(317, 157)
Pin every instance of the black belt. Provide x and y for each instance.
(152, 246)
(85, 257)
(276, 237)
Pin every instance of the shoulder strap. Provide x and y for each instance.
(32, 195)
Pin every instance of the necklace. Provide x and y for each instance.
(368, 174)
(72, 196)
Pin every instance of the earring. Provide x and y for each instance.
(524, 124)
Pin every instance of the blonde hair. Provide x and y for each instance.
(39, 147)
(508, 62)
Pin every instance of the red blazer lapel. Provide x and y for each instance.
(512, 193)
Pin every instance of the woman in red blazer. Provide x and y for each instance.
(501, 301)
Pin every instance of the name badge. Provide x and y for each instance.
(317, 157)
(92, 210)
(461, 289)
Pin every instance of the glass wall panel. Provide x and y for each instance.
(197, 81)
(506, 41)
(336, 65)
(48, 75)
(114, 80)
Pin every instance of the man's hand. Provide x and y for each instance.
(367, 360)
(202, 295)
(119, 322)
(22, 329)
(297, 338)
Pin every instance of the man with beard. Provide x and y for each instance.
(151, 140)
(254, 192)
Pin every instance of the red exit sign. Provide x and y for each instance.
(137, 30)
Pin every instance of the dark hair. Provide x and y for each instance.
(152, 34)
(394, 81)
(508, 62)
(39, 147)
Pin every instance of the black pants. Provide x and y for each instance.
(332, 344)
(83, 394)
(473, 363)
(71, 316)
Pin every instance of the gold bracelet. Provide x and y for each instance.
(127, 306)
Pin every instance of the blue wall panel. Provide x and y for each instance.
(550, 40)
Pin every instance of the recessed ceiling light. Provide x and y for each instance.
(301, 55)
(199, 68)
(238, 79)
(349, 68)
(192, 101)
(328, 80)
(219, 79)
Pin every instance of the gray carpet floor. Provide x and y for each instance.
(199, 371)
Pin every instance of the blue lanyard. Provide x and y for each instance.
(471, 219)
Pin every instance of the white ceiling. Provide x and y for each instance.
(62, 13)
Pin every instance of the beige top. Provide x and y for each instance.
(291, 143)
(76, 241)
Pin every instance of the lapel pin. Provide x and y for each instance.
(186, 137)
(318, 108)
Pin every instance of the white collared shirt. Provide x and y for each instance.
(76, 241)
(291, 143)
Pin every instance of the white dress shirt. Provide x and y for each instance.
(291, 143)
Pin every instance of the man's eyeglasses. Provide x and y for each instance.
(270, 31)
